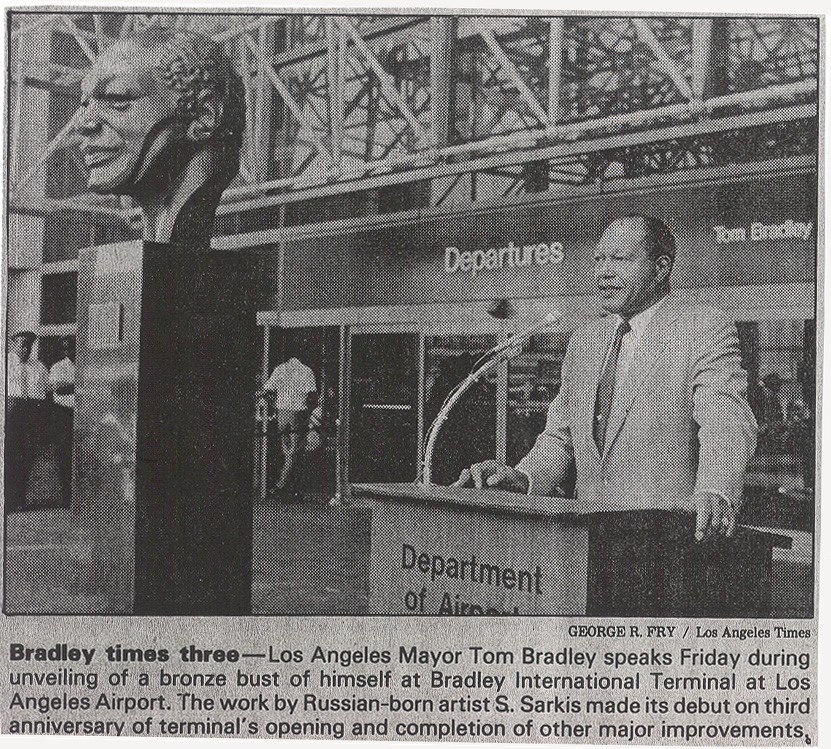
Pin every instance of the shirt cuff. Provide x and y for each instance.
(527, 477)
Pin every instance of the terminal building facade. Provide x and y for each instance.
(417, 188)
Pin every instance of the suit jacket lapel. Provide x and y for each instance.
(655, 339)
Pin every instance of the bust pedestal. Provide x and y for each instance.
(166, 362)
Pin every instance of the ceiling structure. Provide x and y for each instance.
(352, 102)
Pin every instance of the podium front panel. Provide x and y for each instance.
(433, 559)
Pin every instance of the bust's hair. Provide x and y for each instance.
(195, 67)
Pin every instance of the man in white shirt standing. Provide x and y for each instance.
(26, 391)
(292, 391)
(62, 377)
(20, 348)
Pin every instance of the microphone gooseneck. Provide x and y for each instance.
(487, 363)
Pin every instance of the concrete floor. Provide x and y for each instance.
(310, 558)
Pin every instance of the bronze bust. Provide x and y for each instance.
(162, 119)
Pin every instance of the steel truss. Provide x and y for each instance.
(337, 103)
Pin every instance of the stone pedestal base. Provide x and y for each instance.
(166, 358)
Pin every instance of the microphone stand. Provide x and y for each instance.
(504, 350)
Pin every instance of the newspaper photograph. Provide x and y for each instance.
(416, 375)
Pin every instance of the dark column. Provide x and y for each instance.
(166, 368)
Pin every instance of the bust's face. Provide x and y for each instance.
(128, 123)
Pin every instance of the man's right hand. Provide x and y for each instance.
(492, 475)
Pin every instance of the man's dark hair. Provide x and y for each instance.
(657, 235)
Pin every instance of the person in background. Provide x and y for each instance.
(17, 374)
(292, 393)
(771, 409)
(62, 386)
(26, 391)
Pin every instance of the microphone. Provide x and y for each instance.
(488, 362)
(549, 319)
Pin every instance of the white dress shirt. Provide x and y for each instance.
(15, 376)
(62, 374)
(28, 379)
(291, 382)
(38, 379)
(638, 324)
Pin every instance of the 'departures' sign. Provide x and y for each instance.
(760, 231)
(510, 256)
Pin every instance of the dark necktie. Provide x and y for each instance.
(606, 387)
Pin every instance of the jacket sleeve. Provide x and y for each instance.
(551, 457)
(726, 425)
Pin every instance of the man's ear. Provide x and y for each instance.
(208, 116)
(664, 266)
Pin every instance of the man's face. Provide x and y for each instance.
(127, 122)
(628, 278)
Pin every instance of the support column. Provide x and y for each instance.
(344, 405)
(443, 30)
(709, 57)
(335, 84)
(556, 39)
(264, 166)
(442, 83)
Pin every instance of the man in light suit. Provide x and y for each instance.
(652, 410)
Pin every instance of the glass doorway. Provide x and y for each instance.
(384, 407)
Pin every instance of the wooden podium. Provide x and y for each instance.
(443, 550)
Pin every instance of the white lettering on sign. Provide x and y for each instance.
(758, 232)
(512, 256)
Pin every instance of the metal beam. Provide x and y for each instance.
(248, 144)
(391, 93)
(510, 70)
(563, 150)
(47, 206)
(51, 75)
(556, 43)
(59, 140)
(709, 57)
(442, 80)
(92, 36)
(702, 56)
(336, 87)
(570, 134)
(263, 136)
(34, 26)
(79, 37)
(100, 37)
(127, 25)
(15, 150)
(666, 63)
(243, 28)
(388, 28)
(265, 66)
